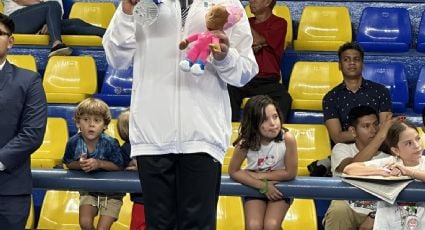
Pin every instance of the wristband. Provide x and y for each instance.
(265, 187)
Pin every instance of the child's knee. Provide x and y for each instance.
(272, 225)
(86, 223)
(254, 225)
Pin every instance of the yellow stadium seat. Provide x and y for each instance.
(31, 39)
(95, 13)
(70, 79)
(283, 12)
(113, 131)
(229, 152)
(31, 217)
(313, 143)
(60, 211)
(323, 28)
(310, 81)
(230, 213)
(1, 7)
(301, 215)
(51, 152)
(23, 61)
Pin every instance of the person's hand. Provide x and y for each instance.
(272, 192)
(221, 52)
(43, 30)
(367, 224)
(405, 171)
(183, 44)
(132, 166)
(257, 39)
(88, 165)
(128, 6)
(392, 170)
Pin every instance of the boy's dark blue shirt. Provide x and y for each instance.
(107, 148)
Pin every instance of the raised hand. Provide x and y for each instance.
(128, 6)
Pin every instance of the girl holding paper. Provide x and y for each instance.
(405, 145)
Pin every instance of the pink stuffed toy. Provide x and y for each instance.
(219, 17)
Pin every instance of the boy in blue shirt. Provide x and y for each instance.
(93, 150)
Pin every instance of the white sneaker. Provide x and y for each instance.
(185, 65)
(197, 70)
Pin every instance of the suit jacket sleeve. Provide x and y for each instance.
(31, 130)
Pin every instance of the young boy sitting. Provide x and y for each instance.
(93, 150)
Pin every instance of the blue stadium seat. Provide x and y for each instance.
(305, 117)
(393, 76)
(419, 100)
(385, 30)
(421, 34)
(116, 87)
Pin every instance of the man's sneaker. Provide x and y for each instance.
(60, 50)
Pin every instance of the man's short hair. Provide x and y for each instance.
(7, 22)
(350, 46)
(359, 112)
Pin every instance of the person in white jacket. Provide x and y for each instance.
(180, 124)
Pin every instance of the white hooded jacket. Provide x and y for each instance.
(171, 110)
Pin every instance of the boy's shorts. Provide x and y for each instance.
(105, 206)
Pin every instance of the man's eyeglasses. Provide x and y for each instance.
(2, 33)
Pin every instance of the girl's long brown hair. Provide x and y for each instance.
(254, 115)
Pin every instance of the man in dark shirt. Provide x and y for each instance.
(352, 92)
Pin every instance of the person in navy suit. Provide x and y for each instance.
(23, 112)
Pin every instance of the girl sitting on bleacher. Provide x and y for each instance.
(406, 147)
(271, 152)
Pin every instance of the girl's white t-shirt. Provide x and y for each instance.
(268, 158)
(401, 215)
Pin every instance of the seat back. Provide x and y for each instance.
(60, 210)
(95, 13)
(51, 152)
(116, 87)
(310, 81)
(384, 29)
(230, 213)
(420, 46)
(283, 12)
(70, 79)
(31, 216)
(23, 61)
(113, 131)
(229, 152)
(323, 28)
(393, 77)
(419, 99)
(301, 215)
(313, 143)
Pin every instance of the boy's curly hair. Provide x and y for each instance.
(93, 106)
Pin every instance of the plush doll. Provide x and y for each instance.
(218, 17)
